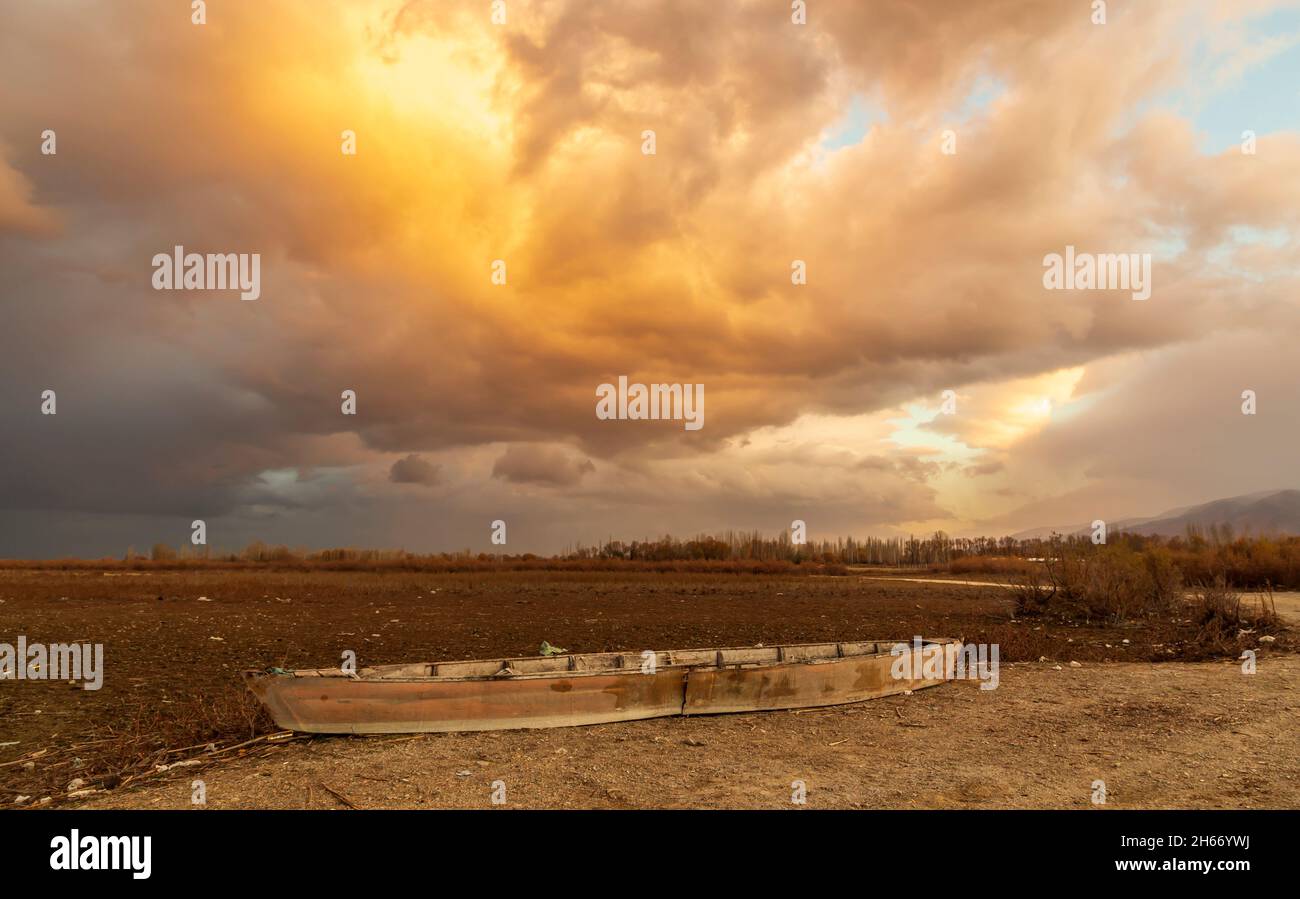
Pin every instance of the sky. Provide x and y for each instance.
(502, 242)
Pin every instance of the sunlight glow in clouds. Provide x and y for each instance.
(522, 143)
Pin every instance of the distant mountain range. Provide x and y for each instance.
(1270, 512)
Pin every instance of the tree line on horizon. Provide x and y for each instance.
(1201, 553)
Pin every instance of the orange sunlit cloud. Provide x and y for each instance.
(524, 144)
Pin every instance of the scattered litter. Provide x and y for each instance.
(188, 763)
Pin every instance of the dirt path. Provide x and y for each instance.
(934, 580)
(1165, 736)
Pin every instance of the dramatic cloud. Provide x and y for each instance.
(540, 465)
(17, 214)
(413, 470)
(500, 244)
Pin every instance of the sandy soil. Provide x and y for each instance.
(1172, 735)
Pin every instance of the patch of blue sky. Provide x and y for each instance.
(1169, 245)
(1227, 97)
(1221, 255)
(853, 127)
(984, 92)
(1249, 234)
(863, 113)
(1265, 98)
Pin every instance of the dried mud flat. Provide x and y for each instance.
(1172, 734)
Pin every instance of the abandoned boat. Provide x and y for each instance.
(592, 688)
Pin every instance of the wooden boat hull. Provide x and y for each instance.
(575, 689)
(332, 705)
(793, 685)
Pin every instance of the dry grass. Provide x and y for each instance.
(1223, 619)
(1109, 584)
(1249, 562)
(152, 740)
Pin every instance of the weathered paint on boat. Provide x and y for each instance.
(341, 705)
(582, 688)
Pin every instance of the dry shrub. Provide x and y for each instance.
(1109, 583)
(1166, 578)
(157, 735)
(1223, 619)
(1032, 592)
(1115, 585)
